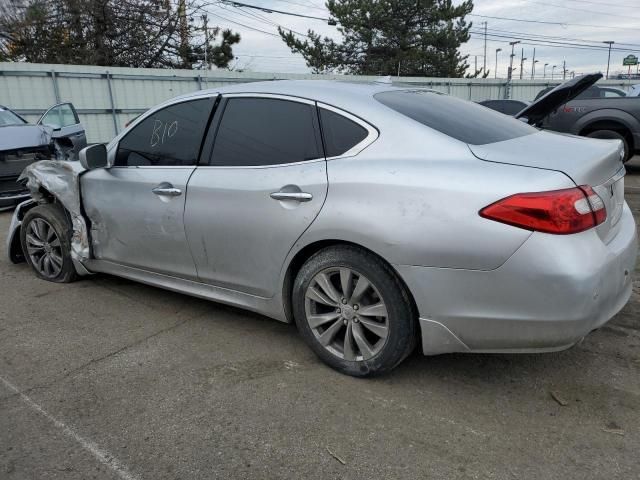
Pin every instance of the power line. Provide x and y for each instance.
(562, 24)
(597, 12)
(272, 10)
(552, 37)
(243, 25)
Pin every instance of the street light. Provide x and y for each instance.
(544, 71)
(608, 42)
(511, 61)
(495, 72)
(553, 70)
(533, 68)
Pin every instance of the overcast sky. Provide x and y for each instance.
(601, 20)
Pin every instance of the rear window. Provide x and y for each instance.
(465, 121)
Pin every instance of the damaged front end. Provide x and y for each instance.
(51, 181)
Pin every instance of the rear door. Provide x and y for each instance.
(136, 207)
(262, 186)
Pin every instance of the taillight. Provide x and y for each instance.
(561, 212)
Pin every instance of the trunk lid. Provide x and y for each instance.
(586, 161)
(544, 106)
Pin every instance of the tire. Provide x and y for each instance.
(613, 135)
(336, 328)
(45, 236)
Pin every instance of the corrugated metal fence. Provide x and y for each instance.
(107, 97)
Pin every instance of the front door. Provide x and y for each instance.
(265, 183)
(66, 125)
(136, 207)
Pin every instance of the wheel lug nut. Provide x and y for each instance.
(356, 307)
(344, 301)
(355, 320)
(338, 310)
(345, 321)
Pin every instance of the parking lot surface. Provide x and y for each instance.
(108, 379)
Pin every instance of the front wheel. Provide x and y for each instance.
(45, 235)
(353, 311)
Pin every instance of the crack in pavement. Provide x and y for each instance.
(103, 357)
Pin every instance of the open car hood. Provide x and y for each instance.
(563, 93)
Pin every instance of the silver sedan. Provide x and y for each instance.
(375, 218)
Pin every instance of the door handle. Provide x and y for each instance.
(297, 196)
(165, 189)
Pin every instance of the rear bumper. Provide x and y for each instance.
(551, 293)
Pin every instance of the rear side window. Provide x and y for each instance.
(266, 131)
(340, 133)
(169, 137)
(465, 121)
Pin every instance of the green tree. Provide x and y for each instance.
(382, 37)
(126, 33)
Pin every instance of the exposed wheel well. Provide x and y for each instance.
(610, 125)
(307, 252)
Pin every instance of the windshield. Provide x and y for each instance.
(7, 117)
(465, 121)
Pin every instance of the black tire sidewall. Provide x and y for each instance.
(401, 317)
(57, 218)
(612, 135)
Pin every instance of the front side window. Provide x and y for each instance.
(266, 131)
(60, 116)
(340, 134)
(169, 137)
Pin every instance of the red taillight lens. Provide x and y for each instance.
(561, 212)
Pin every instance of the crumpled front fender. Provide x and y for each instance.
(60, 179)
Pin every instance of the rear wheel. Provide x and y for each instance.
(613, 135)
(45, 235)
(353, 312)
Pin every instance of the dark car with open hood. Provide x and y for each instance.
(574, 108)
(57, 135)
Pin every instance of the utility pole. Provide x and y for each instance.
(205, 20)
(564, 70)
(533, 64)
(183, 29)
(475, 64)
(484, 59)
(495, 72)
(522, 59)
(544, 71)
(552, 71)
(608, 42)
(507, 90)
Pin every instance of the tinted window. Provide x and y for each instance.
(465, 121)
(171, 136)
(265, 131)
(340, 133)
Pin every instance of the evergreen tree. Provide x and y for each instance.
(126, 33)
(384, 37)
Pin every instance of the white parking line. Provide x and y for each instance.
(101, 455)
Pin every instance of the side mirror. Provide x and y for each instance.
(94, 156)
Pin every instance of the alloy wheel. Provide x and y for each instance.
(44, 248)
(346, 314)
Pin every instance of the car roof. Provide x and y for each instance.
(346, 95)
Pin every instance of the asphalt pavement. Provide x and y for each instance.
(108, 379)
